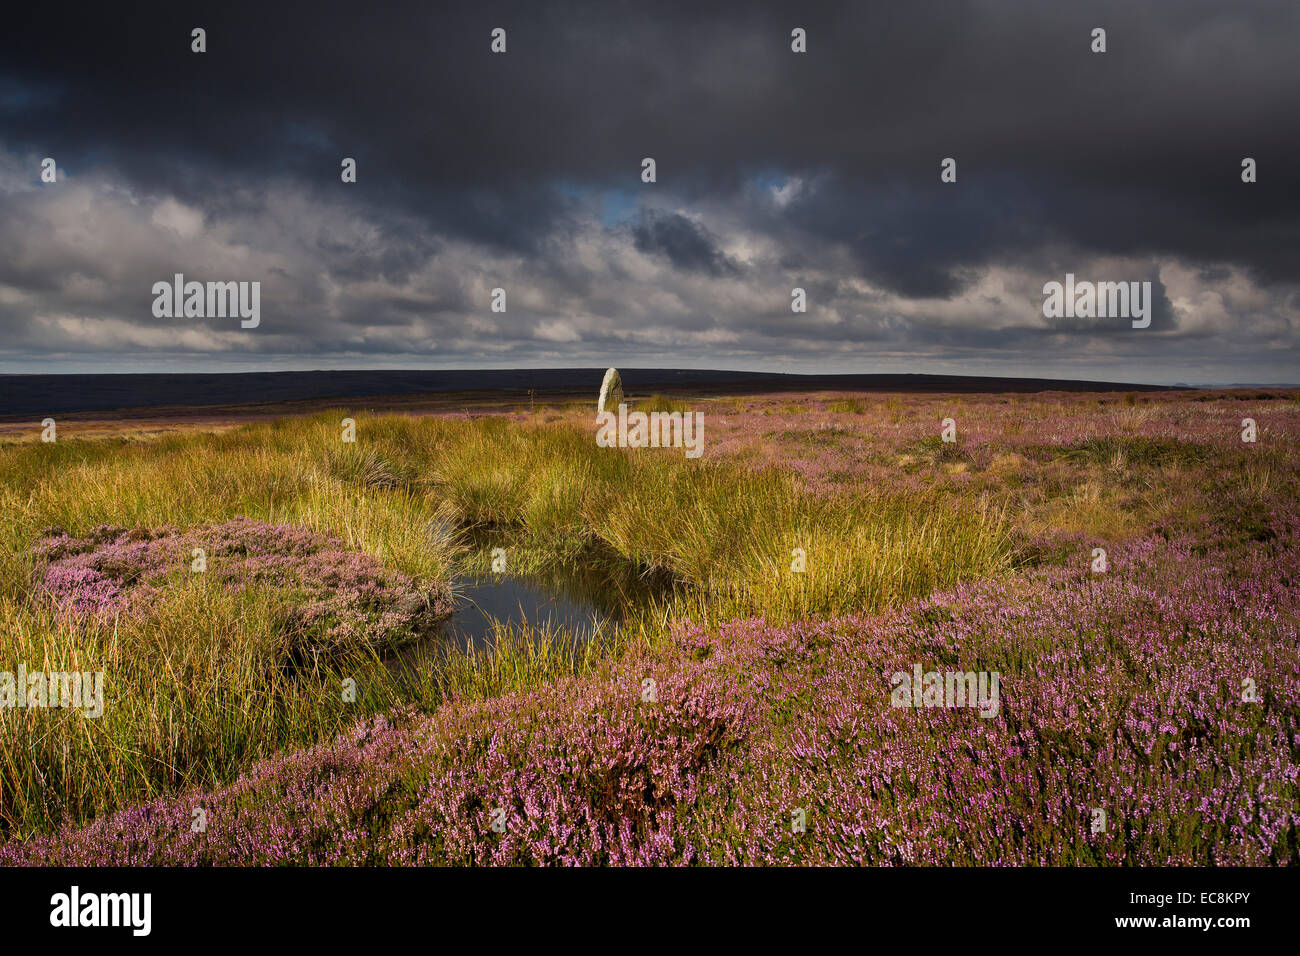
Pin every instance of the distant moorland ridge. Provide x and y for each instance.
(46, 394)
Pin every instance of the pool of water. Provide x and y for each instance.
(580, 598)
(483, 603)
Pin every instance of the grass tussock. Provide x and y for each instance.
(664, 403)
(847, 406)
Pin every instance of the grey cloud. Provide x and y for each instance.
(686, 244)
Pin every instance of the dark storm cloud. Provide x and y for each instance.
(774, 169)
(686, 244)
(587, 90)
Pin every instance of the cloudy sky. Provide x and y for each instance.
(775, 170)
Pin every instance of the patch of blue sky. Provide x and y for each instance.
(614, 206)
(619, 206)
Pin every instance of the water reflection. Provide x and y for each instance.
(580, 598)
(501, 600)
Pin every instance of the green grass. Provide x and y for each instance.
(847, 406)
(664, 403)
(1134, 449)
(934, 451)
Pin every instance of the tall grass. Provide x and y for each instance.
(517, 657)
(726, 533)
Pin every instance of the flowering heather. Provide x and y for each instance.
(834, 443)
(340, 597)
(1120, 691)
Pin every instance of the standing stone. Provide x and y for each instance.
(611, 392)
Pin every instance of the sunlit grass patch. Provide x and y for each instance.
(664, 403)
(847, 406)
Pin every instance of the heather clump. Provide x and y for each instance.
(333, 597)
